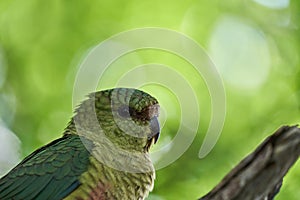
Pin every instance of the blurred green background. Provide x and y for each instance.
(254, 44)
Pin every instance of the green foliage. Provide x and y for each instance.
(43, 44)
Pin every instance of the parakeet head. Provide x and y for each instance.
(126, 117)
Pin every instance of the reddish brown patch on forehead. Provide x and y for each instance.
(153, 111)
(147, 113)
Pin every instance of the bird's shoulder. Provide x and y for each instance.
(50, 172)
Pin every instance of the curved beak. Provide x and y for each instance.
(155, 129)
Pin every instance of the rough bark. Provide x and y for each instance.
(259, 175)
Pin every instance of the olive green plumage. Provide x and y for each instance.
(103, 153)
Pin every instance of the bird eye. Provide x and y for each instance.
(123, 111)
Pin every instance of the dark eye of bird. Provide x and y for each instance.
(123, 111)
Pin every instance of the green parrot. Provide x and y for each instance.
(103, 153)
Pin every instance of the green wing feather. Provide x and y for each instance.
(51, 172)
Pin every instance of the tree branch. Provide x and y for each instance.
(259, 175)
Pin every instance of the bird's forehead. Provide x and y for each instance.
(132, 97)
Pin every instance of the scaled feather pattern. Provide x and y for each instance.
(103, 154)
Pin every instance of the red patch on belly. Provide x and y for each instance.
(100, 192)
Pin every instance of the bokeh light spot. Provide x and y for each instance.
(9, 149)
(274, 4)
(241, 53)
(8, 105)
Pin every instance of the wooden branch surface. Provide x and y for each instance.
(259, 175)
